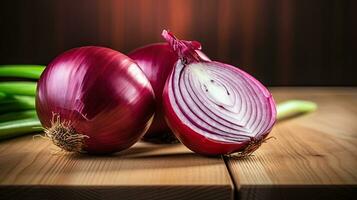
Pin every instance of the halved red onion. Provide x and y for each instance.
(215, 108)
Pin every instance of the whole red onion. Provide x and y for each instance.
(157, 61)
(215, 108)
(95, 100)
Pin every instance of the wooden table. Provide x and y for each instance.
(313, 157)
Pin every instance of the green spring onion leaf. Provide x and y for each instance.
(294, 107)
(21, 71)
(18, 88)
(18, 115)
(2, 95)
(19, 127)
(17, 103)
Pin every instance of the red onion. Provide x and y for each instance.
(157, 61)
(215, 108)
(94, 100)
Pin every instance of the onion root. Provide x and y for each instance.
(249, 150)
(63, 135)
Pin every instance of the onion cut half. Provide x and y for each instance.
(215, 108)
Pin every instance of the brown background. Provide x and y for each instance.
(281, 42)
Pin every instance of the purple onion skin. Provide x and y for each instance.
(156, 61)
(210, 140)
(102, 93)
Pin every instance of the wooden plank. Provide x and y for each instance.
(30, 170)
(314, 156)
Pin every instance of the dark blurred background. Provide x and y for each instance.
(281, 42)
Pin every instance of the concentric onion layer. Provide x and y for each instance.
(221, 102)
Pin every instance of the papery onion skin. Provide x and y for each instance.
(182, 124)
(157, 61)
(101, 93)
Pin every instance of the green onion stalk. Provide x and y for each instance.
(2, 95)
(15, 115)
(292, 108)
(19, 127)
(18, 88)
(17, 103)
(21, 71)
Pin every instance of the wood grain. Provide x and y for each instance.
(30, 170)
(314, 156)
